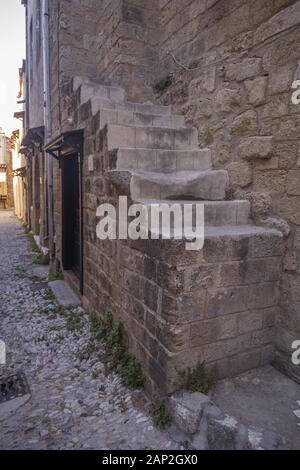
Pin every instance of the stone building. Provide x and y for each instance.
(19, 164)
(6, 191)
(32, 94)
(174, 100)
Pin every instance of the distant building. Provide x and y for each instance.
(19, 163)
(2, 146)
(6, 191)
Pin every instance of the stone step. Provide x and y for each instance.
(108, 97)
(136, 118)
(226, 231)
(224, 243)
(99, 103)
(90, 89)
(164, 161)
(204, 185)
(151, 137)
(216, 213)
(64, 295)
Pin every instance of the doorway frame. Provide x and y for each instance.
(66, 144)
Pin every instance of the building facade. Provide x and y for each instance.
(19, 164)
(6, 189)
(169, 100)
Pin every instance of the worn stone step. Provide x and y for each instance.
(224, 243)
(164, 161)
(99, 102)
(136, 118)
(151, 137)
(64, 295)
(216, 213)
(91, 88)
(206, 185)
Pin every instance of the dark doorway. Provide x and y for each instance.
(71, 214)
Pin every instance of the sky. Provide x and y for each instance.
(12, 52)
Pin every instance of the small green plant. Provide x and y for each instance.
(123, 406)
(41, 259)
(49, 295)
(74, 323)
(199, 379)
(56, 276)
(86, 352)
(109, 332)
(35, 279)
(131, 372)
(32, 242)
(161, 416)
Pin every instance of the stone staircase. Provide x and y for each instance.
(158, 156)
(225, 311)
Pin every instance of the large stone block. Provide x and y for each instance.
(293, 183)
(243, 123)
(250, 321)
(260, 147)
(209, 331)
(267, 244)
(269, 180)
(240, 174)
(256, 90)
(227, 100)
(282, 21)
(247, 68)
(250, 271)
(288, 207)
(240, 299)
(281, 78)
(186, 409)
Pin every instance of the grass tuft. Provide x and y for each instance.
(199, 379)
(56, 276)
(161, 416)
(109, 333)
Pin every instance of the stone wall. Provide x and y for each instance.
(9, 179)
(220, 306)
(127, 45)
(34, 64)
(72, 34)
(72, 45)
(244, 56)
(177, 307)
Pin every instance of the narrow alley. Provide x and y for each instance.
(72, 402)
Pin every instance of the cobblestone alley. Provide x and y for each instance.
(73, 403)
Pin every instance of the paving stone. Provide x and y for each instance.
(64, 294)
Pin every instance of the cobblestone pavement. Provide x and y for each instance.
(74, 403)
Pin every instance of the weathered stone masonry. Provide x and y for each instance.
(240, 101)
(221, 304)
(178, 307)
